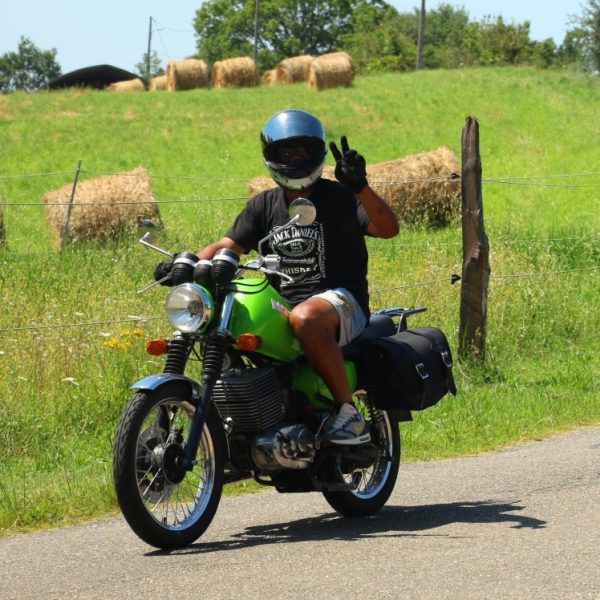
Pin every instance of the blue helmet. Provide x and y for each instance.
(293, 148)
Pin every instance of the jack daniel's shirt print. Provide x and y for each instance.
(302, 253)
(329, 253)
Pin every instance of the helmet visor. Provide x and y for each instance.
(295, 158)
(299, 149)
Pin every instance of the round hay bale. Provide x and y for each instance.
(234, 72)
(330, 70)
(103, 207)
(131, 85)
(269, 77)
(294, 69)
(186, 74)
(259, 184)
(158, 83)
(421, 189)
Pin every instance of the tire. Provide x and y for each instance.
(376, 482)
(166, 507)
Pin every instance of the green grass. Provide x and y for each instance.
(62, 388)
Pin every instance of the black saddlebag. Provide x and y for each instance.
(410, 370)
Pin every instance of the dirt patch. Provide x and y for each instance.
(4, 110)
(62, 113)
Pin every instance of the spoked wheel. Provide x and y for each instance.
(374, 483)
(167, 506)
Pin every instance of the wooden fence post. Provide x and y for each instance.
(3, 243)
(65, 236)
(476, 266)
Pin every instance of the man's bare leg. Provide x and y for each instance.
(316, 323)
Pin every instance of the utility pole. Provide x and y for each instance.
(256, 15)
(421, 36)
(149, 50)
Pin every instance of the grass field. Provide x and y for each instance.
(69, 347)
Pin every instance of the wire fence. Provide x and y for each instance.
(132, 203)
(506, 179)
(540, 181)
(515, 181)
(83, 324)
(142, 320)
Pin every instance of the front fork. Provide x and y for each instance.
(212, 362)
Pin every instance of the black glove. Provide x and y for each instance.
(350, 166)
(162, 270)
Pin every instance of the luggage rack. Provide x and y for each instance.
(402, 312)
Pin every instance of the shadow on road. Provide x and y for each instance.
(391, 521)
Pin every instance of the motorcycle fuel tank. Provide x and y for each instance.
(259, 309)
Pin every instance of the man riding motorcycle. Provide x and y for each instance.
(327, 260)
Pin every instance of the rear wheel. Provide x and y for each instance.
(372, 484)
(165, 505)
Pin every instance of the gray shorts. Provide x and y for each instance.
(352, 317)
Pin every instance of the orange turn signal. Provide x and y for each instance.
(248, 342)
(157, 347)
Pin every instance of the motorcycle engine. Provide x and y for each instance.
(290, 447)
(252, 401)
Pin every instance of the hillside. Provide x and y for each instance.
(532, 124)
(70, 342)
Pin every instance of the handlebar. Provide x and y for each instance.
(266, 271)
(253, 265)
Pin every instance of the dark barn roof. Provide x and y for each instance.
(98, 77)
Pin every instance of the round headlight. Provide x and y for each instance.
(189, 307)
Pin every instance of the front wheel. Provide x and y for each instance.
(166, 506)
(373, 484)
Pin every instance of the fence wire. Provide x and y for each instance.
(132, 203)
(531, 181)
(452, 279)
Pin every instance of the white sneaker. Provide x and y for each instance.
(347, 427)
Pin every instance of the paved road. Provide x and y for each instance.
(523, 524)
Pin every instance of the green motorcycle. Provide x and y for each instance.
(256, 410)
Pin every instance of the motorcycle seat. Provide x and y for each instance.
(377, 327)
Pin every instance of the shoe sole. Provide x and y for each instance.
(352, 441)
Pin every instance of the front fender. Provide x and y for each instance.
(154, 382)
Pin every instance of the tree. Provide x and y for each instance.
(545, 53)
(155, 64)
(393, 47)
(501, 44)
(376, 35)
(445, 36)
(225, 28)
(587, 36)
(29, 68)
(295, 27)
(573, 49)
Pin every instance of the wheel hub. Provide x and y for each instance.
(172, 463)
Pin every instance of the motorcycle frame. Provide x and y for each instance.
(304, 380)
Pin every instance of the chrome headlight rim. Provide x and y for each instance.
(189, 308)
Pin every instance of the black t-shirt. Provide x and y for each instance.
(329, 253)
